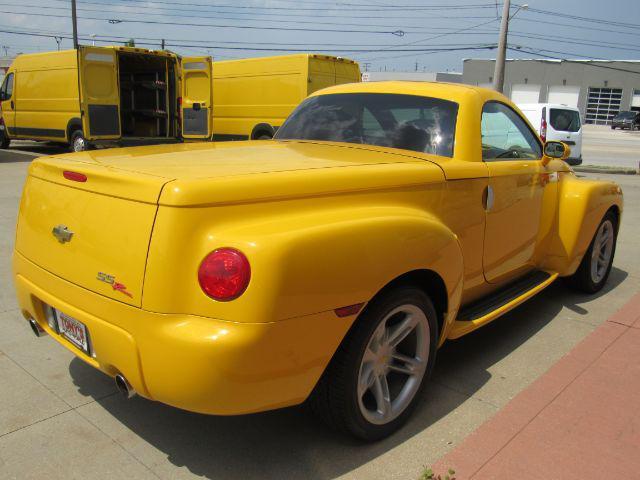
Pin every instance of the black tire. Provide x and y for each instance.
(77, 139)
(583, 280)
(4, 140)
(335, 398)
(612, 127)
(264, 136)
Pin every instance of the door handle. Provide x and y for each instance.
(487, 198)
(12, 107)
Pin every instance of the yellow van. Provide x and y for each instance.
(102, 95)
(252, 97)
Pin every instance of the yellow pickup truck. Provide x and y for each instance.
(327, 265)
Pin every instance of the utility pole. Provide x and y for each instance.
(58, 41)
(74, 19)
(416, 66)
(498, 74)
(162, 48)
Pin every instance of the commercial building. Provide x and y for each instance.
(450, 77)
(599, 88)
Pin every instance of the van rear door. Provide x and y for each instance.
(99, 94)
(197, 98)
(564, 125)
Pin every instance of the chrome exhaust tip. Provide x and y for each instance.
(124, 387)
(38, 331)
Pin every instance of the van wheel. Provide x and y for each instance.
(595, 266)
(374, 380)
(78, 142)
(264, 136)
(4, 141)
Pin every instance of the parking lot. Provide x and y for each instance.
(610, 148)
(61, 419)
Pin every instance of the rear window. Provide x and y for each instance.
(408, 122)
(564, 120)
(626, 114)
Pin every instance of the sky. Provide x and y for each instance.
(392, 35)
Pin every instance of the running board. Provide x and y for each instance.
(487, 309)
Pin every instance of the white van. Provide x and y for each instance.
(557, 122)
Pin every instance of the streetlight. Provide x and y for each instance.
(498, 74)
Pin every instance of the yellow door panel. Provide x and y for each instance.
(513, 219)
(197, 97)
(99, 93)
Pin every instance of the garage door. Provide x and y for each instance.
(635, 99)
(603, 104)
(525, 93)
(564, 95)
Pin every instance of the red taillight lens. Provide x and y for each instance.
(75, 176)
(543, 130)
(224, 274)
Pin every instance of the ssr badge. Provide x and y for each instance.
(111, 280)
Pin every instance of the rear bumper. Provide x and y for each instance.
(194, 363)
(574, 160)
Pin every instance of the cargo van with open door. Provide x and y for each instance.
(99, 96)
(196, 106)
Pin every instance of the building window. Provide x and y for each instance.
(602, 105)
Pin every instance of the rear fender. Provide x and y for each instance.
(301, 264)
(581, 206)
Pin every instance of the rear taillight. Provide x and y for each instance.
(543, 130)
(75, 176)
(224, 274)
(1, 119)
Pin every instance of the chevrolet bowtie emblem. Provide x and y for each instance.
(62, 233)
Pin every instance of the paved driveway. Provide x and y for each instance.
(60, 419)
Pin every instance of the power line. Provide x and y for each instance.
(399, 33)
(217, 17)
(350, 6)
(584, 19)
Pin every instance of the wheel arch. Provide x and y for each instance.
(430, 282)
(582, 206)
(72, 125)
(261, 128)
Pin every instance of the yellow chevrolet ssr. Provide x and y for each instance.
(327, 265)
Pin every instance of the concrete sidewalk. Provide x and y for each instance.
(580, 420)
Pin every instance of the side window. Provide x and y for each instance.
(7, 88)
(505, 136)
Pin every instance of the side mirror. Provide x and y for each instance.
(558, 150)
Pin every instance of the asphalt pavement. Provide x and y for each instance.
(61, 419)
(602, 146)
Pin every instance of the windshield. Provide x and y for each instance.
(409, 122)
(564, 120)
(626, 115)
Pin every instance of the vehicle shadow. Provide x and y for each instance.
(291, 443)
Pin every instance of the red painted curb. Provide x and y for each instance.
(536, 434)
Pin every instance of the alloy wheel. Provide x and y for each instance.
(393, 364)
(602, 251)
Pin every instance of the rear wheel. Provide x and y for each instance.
(4, 140)
(595, 267)
(374, 379)
(78, 143)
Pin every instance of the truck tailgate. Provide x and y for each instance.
(93, 233)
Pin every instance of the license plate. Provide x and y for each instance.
(73, 330)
